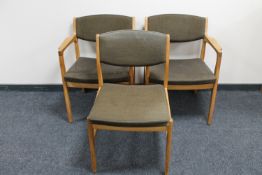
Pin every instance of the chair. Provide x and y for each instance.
(137, 108)
(83, 73)
(188, 74)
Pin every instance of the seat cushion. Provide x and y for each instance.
(84, 71)
(130, 105)
(184, 72)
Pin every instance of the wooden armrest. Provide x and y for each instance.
(65, 44)
(214, 44)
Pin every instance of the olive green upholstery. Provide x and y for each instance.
(88, 26)
(132, 48)
(123, 105)
(182, 28)
(84, 71)
(183, 72)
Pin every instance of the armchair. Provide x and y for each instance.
(188, 74)
(83, 73)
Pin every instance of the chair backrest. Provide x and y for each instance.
(132, 48)
(182, 28)
(87, 27)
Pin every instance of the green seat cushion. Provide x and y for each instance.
(184, 72)
(84, 71)
(130, 105)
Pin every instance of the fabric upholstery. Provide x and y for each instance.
(183, 72)
(130, 105)
(132, 48)
(88, 26)
(181, 28)
(84, 71)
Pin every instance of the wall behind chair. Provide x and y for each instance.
(31, 32)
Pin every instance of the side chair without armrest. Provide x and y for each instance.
(136, 108)
(83, 73)
(188, 74)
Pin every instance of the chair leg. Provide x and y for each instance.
(132, 75)
(146, 75)
(168, 146)
(212, 105)
(95, 133)
(68, 104)
(91, 139)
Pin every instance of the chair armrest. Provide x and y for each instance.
(65, 44)
(61, 50)
(214, 44)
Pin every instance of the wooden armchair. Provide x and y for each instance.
(188, 74)
(136, 108)
(83, 73)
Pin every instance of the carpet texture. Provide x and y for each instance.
(35, 137)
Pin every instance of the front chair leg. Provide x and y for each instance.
(68, 104)
(91, 139)
(168, 146)
(212, 105)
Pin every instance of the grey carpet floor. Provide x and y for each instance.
(35, 137)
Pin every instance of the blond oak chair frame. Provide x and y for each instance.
(92, 128)
(211, 86)
(67, 84)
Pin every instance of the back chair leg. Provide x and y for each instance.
(91, 139)
(212, 105)
(68, 104)
(132, 75)
(95, 133)
(146, 75)
(168, 146)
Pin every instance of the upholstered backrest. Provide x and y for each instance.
(132, 48)
(88, 26)
(182, 28)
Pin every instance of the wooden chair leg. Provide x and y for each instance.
(132, 75)
(146, 75)
(95, 133)
(212, 105)
(68, 104)
(168, 146)
(91, 139)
